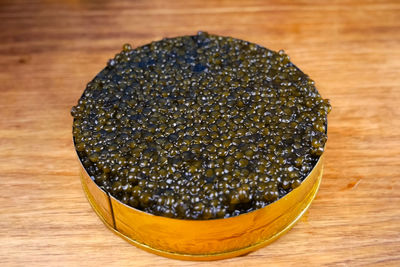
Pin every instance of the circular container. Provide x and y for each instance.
(203, 239)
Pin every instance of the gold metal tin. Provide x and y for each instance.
(203, 239)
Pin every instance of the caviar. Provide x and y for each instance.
(199, 127)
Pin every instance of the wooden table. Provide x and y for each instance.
(49, 50)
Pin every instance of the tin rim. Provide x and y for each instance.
(203, 239)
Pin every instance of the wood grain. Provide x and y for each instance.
(50, 49)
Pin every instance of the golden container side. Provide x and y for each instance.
(203, 239)
(97, 198)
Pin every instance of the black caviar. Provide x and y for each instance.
(199, 127)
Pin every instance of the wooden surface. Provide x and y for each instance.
(49, 50)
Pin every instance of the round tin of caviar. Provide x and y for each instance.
(200, 147)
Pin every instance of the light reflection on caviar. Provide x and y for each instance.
(199, 127)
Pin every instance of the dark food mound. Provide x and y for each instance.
(200, 127)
